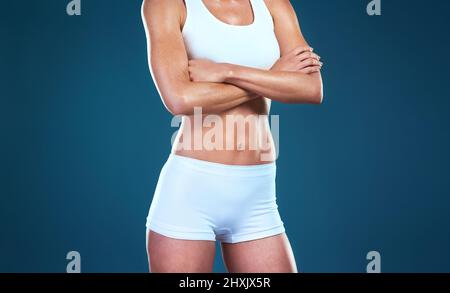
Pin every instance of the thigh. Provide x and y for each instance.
(169, 255)
(268, 255)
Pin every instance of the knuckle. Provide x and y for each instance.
(302, 49)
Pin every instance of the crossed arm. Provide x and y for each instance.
(184, 84)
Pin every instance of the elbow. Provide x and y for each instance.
(316, 96)
(180, 99)
(313, 95)
(177, 104)
(177, 107)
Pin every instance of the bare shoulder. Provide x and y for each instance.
(287, 27)
(280, 8)
(160, 12)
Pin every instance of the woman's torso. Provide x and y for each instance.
(247, 140)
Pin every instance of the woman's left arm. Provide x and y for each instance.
(287, 86)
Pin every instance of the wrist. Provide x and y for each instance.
(228, 71)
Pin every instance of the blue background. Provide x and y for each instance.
(84, 135)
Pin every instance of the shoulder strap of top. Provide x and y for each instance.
(194, 7)
(261, 12)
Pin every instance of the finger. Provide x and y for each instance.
(306, 55)
(311, 69)
(300, 49)
(309, 62)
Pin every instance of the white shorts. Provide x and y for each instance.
(200, 200)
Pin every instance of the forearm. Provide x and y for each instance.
(283, 86)
(213, 98)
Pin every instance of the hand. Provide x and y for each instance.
(301, 59)
(202, 70)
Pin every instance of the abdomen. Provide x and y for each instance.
(239, 136)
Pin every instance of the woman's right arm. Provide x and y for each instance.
(169, 65)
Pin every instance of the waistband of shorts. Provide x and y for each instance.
(223, 169)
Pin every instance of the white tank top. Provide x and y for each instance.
(207, 37)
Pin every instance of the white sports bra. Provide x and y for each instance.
(207, 37)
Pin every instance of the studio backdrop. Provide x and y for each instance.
(363, 177)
